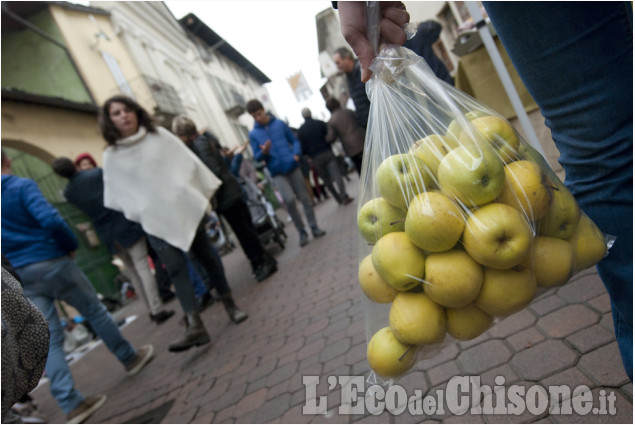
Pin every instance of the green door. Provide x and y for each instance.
(91, 256)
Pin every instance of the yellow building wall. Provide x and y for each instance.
(48, 132)
(79, 33)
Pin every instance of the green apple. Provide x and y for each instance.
(471, 175)
(432, 149)
(377, 217)
(402, 176)
(373, 285)
(387, 356)
(563, 215)
(551, 260)
(434, 222)
(589, 244)
(452, 278)
(497, 236)
(495, 132)
(398, 261)
(416, 319)
(466, 323)
(526, 190)
(506, 291)
(455, 128)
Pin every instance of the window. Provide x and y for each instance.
(117, 74)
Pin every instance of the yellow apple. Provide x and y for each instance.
(497, 236)
(551, 260)
(373, 285)
(563, 215)
(434, 222)
(400, 263)
(495, 132)
(387, 356)
(432, 149)
(471, 175)
(416, 319)
(455, 127)
(377, 217)
(452, 278)
(525, 189)
(402, 176)
(506, 291)
(468, 322)
(589, 244)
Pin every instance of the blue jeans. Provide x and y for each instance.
(576, 59)
(62, 279)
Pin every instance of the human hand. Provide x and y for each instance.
(354, 29)
(266, 147)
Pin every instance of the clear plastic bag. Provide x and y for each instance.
(461, 221)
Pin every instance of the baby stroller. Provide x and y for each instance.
(263, 216)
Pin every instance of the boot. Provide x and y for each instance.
(195, 334)
(236, 315)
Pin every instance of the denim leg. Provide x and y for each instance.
(175, 262)
(576, 60)
(299, 188)
(207, 256)
(289, 198)
(334, 170)
(321, 163)
(62, 385)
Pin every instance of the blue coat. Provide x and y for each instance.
(85, 190)
(284, 146)
(32, 229)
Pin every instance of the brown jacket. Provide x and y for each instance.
(343, 124)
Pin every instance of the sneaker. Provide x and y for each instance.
(317, 232)
(85, 409)
(266, 269)
(161, 316)
(144, 354)
(304, 238)
(347, 200)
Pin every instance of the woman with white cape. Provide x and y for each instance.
(155, 180)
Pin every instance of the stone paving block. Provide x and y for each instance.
(263, 369)
(567, 320)
(546, 305)
(505, 371)
(607, 322)
(604, 366)
(483, 357)
(590, 338)
(435, 356)
(571, 377)
(274, 408)
(311, 349)
(581, 289)
(334, 349)
(543, 359)
(281, 374)
(512, 324)
(443, 372)
(525, 339)
(601, 304)
(251, 401)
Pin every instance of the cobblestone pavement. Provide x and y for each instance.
(308, 320)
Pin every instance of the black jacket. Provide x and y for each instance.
(312, 136)
(85, 190)
(206, 147)
(357, 90)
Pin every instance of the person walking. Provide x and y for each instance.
(312, 136)
(122, 237)
(423, 44)
(343, 125)
(351, 68)
(228, 198)
(155, 180)
(273, 142)
(40, 246)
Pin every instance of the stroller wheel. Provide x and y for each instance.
(279, 241)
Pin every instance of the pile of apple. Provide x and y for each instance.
(463, 229)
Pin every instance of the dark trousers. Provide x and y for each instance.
(239, 218)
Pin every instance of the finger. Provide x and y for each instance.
(392, 32)
(397, 14)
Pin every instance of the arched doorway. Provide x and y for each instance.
(91, 256)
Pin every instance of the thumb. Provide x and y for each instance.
(365, 52)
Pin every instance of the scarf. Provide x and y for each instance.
(155, 180)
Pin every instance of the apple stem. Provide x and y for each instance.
(554, 188)
(398, 221)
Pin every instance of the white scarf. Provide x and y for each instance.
(155, 180)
